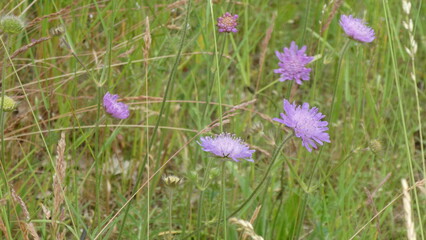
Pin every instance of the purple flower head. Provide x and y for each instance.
(306, 124)
(226, 145)
(356, 29)
(227, 23)
(292, 64)
(116, 109)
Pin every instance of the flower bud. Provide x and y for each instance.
(9, 104)
(11, 24)
(57, 31)
(375, 146)
(171, 181)
(192, 176)
(214, 173)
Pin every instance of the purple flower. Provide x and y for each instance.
(227, 23)
(116, 109)
(226, 145)
(292, 64)
(356, 29)
(306, 124)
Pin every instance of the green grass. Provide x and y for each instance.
(181, 83)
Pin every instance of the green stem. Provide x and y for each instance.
(189, 188)
(98, 158)
(224, 197)
(211, 83)
(162, 109)
(67, 45)
(324, 179)
(267, 86)
(217, 72)
(299, 221)
(339, 66)
(2, 117)
(402, 113)
(38, 128)
(222, 207)
(170, 213)
(3, 144)
(256, 190)
(308, 8)
(200, 202)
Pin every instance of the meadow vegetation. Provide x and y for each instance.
(77, 164)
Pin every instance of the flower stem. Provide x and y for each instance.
(339, 66)
(275, 155)
(2, 114)
(3, 144)
(222, 207)
(217, 72)
(300, 219)
(267, 86)
(256, 190)
(200, 202)
(170, 213)
(157, 124)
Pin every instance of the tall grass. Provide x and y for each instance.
(182, 80)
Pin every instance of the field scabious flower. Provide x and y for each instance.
(116, 109)
(227, 23)
(292, 64)
(306, 123)
(356, 29)
(226, 145)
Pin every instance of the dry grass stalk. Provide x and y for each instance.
(215, 124)
(184, 145)
(127, 53)
(409, 26)
(255, 214)
(324, 8)
(28, 46)
(264, 48)
(411, 49)
(58, 191)
(46, 211)
(177, 4)
(147, 40)
(370, 201)
(409, 223)
(27, 226)
(252, 219)
(419, 183)
(336, 7)
(62, 12)
(245, 228)
(4, 229)
(240, 106)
